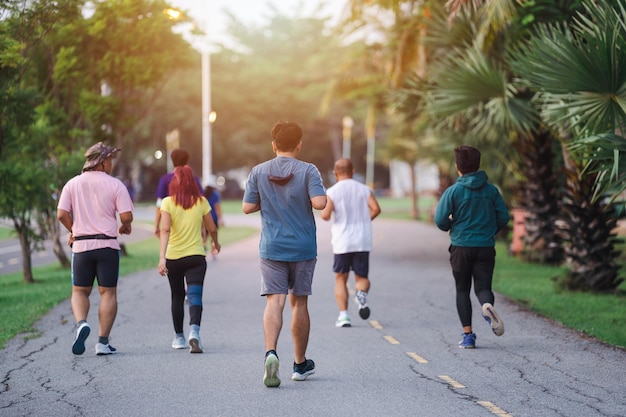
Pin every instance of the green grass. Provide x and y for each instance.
(599, 315)
(6, 232)
(23, 304)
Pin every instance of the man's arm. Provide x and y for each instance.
(67, 221)
(373, 205)
(126, 218)
(250, 207)
(328, 210)
(318, 202)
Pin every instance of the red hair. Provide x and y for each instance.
(183, 187)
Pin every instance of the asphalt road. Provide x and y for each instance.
(403, 361)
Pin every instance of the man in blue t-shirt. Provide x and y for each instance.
(285, 190)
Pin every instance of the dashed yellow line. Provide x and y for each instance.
(375, 324)
(494, 409)
(391, 340)
(417, 357)
(451, 381)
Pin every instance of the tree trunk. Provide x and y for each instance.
(27, 265)
(414, 195)
(57, 246)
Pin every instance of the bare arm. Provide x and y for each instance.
(67, 221)
(164, 235)
(250, 208)
(210, 226)
(318, 202)
(328, 210)
(372, 203)
(218, 211)
(126, 218)
(157, 221)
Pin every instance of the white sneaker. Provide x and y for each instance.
(102, 349)
(195, 344)
(343, 321)
(494, 320)
(361, 300)
(179, 342)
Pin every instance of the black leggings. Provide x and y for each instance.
(470, 262)
(193, 268)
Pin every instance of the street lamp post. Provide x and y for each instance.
(207, 169)
(347, 135)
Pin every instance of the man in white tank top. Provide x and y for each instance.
(353, 207)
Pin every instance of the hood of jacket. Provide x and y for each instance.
(473, 180)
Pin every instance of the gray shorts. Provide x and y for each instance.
(278, 277)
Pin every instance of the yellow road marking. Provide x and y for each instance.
(375, 324)
(494, 409)
(451, 381)
(391, 340)
(417, 357)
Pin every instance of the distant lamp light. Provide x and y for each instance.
(212, 117)
(221, 181)
(158, 154)
(173, 14)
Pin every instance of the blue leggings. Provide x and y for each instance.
(192, 268)
(468, 263)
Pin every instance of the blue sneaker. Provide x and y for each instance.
(490, 315)
(468, 342)
(303, 370)
(78, 347)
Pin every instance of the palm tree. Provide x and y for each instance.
(580, 74)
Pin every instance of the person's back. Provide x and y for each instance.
(285, 191)
(288, 230)
(473, 211)
(352, 225)
(179, 158)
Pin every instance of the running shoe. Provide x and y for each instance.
(271, 379)
(343, 321)
(179, 343)
(361, 300)
(494, 320)
(78, 347)
(468, 341)
(195, 343)
(303, 370)
(102, 349)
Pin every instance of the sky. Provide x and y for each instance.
(211, 12)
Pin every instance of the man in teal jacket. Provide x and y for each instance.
(473, 211)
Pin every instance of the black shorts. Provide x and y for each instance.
(359, 262)
(101, 263)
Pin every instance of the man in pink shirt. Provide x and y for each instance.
(87, 208)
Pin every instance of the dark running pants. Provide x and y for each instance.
(193, 269)
(468, 263)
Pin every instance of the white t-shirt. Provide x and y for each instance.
(94, 198)
(351, 225)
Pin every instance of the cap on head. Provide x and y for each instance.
(286, 135)
(97, 154)
(467, 159)
(179, 157)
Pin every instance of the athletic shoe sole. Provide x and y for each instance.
(494, 320)
(364, 312)
(78, 347)
(271, 378)
(194, 346)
